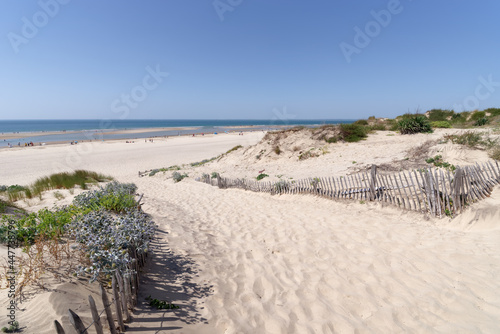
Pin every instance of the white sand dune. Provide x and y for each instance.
(244, 262)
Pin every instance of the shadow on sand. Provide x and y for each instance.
(169, 277)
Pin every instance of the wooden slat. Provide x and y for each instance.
(415, 192)
(445, 192)
(388, 189)
(437, 190)
(77, 322)
(406, 193)
(493, 171)
(95, 316)
(373, 181)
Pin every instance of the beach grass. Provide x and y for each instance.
(64, 180)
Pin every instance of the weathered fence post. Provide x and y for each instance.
(59, 328)
(373, 182)
(77, 322)
(128, 292)
(117, 304)
(107, 308)
(123, 298)
(95, 316)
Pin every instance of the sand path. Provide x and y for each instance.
(251, 263)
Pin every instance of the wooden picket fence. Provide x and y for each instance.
(125, 287)
(432, 190)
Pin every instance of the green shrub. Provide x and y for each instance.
(481, 121)
(459, 118)
(411, 124)
(214, 175)
(361, 122)
(352, 132)
(436, 115)
(377, 127)
(469, 138)
(493, 111)
(438, 162)
(178, 177)
(277, 150)
(441, 124)
(45, 224)
(114, 196)
(477, 115)
(3, 206)
(261, 176)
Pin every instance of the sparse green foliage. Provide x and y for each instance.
(436, 115)
(234, 149)
(414, 123)
(58, 195)
(477, 115)
(495, 153)
(352, 132)
(331, 140)
(308, 154)
(261, 176)
(441, 124)
(469, 138)
(377, 127)
(277, 150)
(481, 121)
(214, 175)
(361, 122)
(438, 162)
(178, 177)
(161, 304)
(12, 328)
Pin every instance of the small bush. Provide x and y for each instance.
(436, 115)
(361, 122)
(114, 196)
(469, 138)
(492, 111)
(411, 124)
(495, 153)
(477, 115)
(308, 154)
(277, 150)
(178, 177)
(214, 175)
(261, 176)
(3, 206)
(481, 121)
(352, 132)
(441, 124)
(377, 127)
(438, 162)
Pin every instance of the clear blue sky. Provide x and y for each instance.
(246, 59)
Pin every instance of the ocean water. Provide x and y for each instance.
(93, 129)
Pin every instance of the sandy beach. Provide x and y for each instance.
(242, 262)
